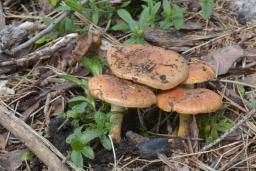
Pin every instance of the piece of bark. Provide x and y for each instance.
(13, 35)
(27, 135)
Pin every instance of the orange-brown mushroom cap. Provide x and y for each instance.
(149, 65)
(120, 92)
(199, 73)
(189, 101)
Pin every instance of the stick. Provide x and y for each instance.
(2, 18)
(25, 133)
(43, 32)
(237, 125)
(42, 53)
(40, 34)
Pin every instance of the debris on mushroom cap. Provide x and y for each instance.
(199, 73)
(120, 92)
(189, 101)
(149, 65)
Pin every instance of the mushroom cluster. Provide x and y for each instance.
(140, 68)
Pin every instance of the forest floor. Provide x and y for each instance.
(37, 48)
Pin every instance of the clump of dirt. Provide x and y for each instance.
(58, 131)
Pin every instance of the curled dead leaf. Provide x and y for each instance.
(85, 43)
(250, 79)
(222, 59)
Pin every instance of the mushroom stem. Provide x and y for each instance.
(185, 119)
(184, 125)
(116, 120)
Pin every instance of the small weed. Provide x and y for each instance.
(173, 15)
(207, 8)
(211, 126)
(90, 122)
(136, 27)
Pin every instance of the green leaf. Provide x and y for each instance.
(88, 152)
(105, 142)
(26, 156)
(43, 39)
(165, 25)
(73, 114)
(77, 158)
(72, 79)
(241, 89)
(177, 16)
(94, 65)
(167, 7)
(89, 135)
(224, 125)
(75, 136)
(75, 5)
(121, 27)
(207, 8)
(95, 17)
(76, 100)
(69, 25)
(143, 22)
(126, 16)
(156, 8)
(131, 40)
(80, 108)
(47, 21)
(53, 2)
(99, 118)
(254, 104)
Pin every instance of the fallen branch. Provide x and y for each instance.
(42, 53)
(26, 134)
(237, 125)
(43, 32)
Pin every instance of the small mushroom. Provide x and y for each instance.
(120, 94)
(149, 65)
(188, 102)
(199, 73)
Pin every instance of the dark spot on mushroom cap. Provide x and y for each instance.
(163, 78)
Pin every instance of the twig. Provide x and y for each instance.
(26, 134)
(237, 125)
(2, 18)
(40, 34)
(43, 32)
(42, 53)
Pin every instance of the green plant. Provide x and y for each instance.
(173, 15)
(153, 8)
(26, 156)
(207, 8)
(90, 122)
(211, 126)
(136, 27)
(254, 104)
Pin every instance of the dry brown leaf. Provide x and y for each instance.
(2, 141)
(250, 79)
(11, 161)
(83, 44)
(5, 90)
(222, 59)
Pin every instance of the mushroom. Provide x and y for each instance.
(149, 65)
(120, 94)
(198, 73)
(188, 102)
